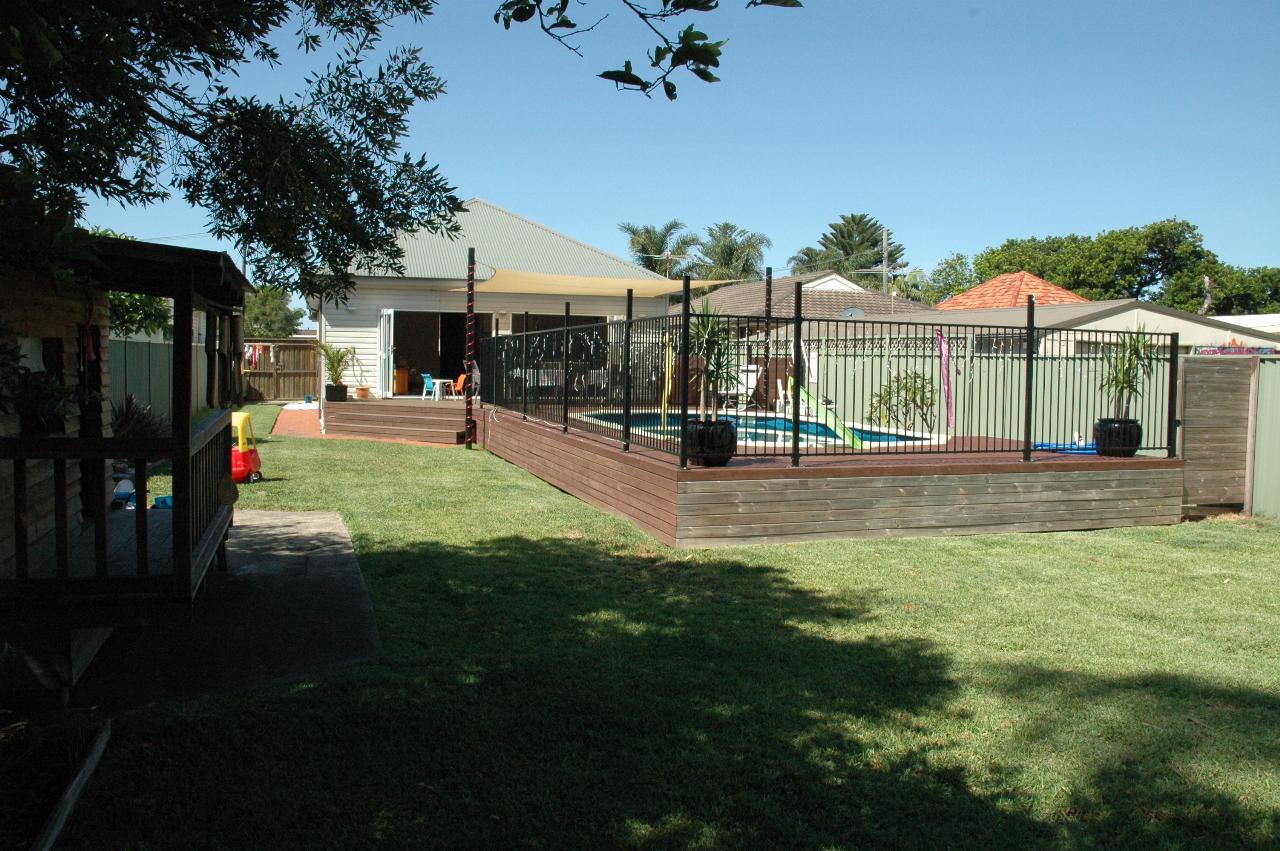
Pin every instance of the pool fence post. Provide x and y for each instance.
(470, 364)
(524, 369)
(684, 377)
(797, 375)
(626, 374)
(1030, 376)
(1173, 396)
(768, 320)
(564, 401)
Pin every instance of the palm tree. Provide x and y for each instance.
(731, 253)
(663, 248)
(848, 245)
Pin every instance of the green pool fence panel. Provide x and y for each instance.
(1266, 437)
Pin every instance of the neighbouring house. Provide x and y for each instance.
(1194, 332)
(71, 568)
(1267, 323)
(1011, 290)
(826, 295)
(406, 326)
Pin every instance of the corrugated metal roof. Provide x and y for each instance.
(1069, 315)
(504, 240)
(1049, 315)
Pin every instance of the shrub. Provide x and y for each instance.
(908, 400)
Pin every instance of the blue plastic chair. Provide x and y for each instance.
(428, 384)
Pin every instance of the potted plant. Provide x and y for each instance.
(336, 361)
(711, 441)
(1126, 366)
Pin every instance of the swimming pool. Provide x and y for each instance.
(763, 429)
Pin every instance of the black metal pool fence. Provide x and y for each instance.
(797, 386)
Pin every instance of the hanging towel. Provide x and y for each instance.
(944, 348)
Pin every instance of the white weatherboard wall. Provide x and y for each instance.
(355, 324)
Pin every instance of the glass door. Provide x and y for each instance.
(386, 353)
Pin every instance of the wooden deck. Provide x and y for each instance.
(759, 500)
(426, 421)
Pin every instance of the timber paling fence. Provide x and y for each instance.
(797, 386)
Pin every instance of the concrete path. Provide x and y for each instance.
(298, 423)
(292, 604)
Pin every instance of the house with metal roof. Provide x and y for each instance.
(826, 295)
(405, 326)
(1195, 333)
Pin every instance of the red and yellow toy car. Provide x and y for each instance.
(246, 466)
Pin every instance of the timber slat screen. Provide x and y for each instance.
(280, 369)
(1215, 430)
(866, 386)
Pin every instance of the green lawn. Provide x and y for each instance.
(263, 418)
(554, 678)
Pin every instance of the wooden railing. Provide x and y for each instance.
(200, 518)
(209, 514)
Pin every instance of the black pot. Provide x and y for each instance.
(1118, 438)
(335, 392)
(711, 443)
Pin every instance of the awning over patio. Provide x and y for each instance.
(540, 283)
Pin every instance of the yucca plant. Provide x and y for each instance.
(1126, 366)
(709, 341)
(336, 361)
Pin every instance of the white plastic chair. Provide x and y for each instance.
(746, 387)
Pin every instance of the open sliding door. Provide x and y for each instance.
(386, 353)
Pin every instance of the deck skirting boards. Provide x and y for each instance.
(694, 509)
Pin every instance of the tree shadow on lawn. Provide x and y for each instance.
(554, 693)
(558, 693)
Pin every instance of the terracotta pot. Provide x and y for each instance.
(362, 392)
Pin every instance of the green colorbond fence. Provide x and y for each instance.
(1266, 452)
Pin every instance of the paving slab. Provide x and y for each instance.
(292, 604)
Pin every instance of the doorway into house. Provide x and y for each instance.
(419, 342)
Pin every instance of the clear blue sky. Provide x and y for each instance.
(959, 125)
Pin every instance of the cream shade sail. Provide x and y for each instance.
(539, 283)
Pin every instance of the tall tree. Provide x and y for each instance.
(687, 49)
(133, 100)
(666, 249)
(267, 313)
(731, 253)
(1137, 262)
(850, 244)
(954, 274)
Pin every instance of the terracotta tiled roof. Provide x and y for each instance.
(1011, 290)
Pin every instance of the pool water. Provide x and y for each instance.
(765, 428)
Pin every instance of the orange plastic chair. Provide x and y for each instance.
(461, 384)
